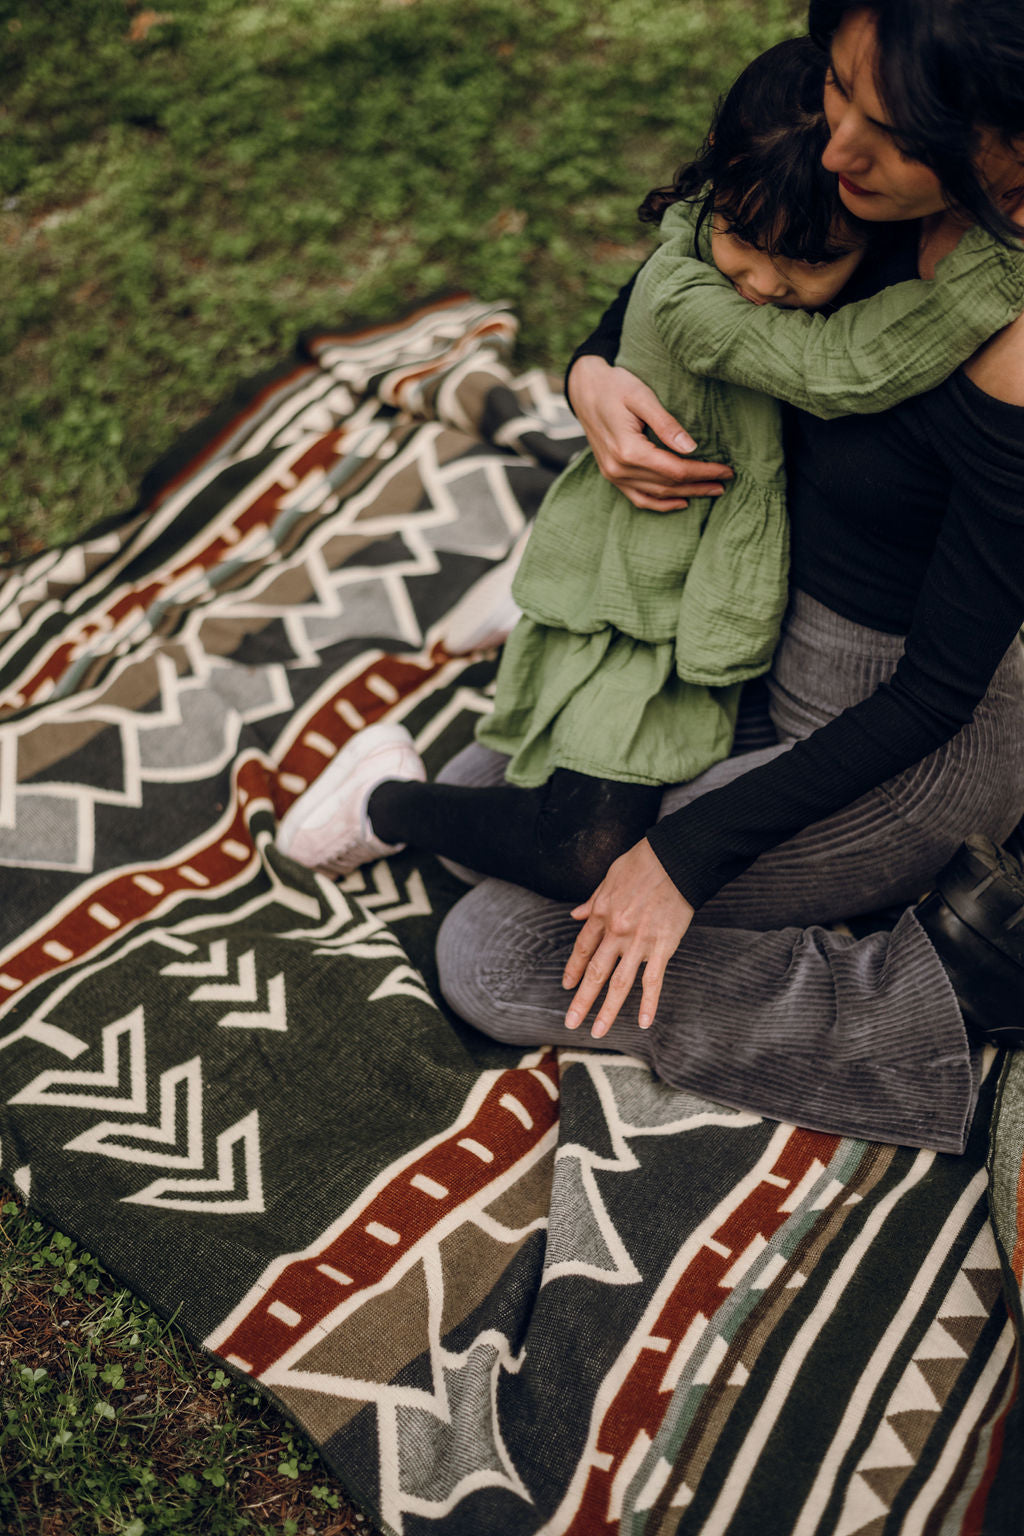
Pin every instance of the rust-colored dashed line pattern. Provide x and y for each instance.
(363, 700)
(639, 1405)
(111, 905)
(128, 600)
(279, 387)
(519, 1110)
(108, 908)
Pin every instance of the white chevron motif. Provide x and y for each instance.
(92, 1089)
(109, 1137)
(403, 981)
(202, 1194)
(244, 990)
(274, 1016)
(216, 965)
(386, 900)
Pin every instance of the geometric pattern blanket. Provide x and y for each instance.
(504, 1293)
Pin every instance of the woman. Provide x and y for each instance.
(896, 690)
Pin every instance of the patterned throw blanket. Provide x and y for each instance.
(505, 1294)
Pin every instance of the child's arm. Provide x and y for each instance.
(866, 357)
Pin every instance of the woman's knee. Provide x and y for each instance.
(576, 857)
(463, 955)
(475, 767)
(483, 969)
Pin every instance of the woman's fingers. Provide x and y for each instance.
(654, 975)
(704, 487)
(617, 411)
(635, 918)
(619, 988)
(649, 476)
(600, 966)
(587, 940)
(664, 425)
(619, 972)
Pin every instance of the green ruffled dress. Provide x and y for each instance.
(639, 627)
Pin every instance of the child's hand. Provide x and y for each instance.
(635, 917)
(614, 407)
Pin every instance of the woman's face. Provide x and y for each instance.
(876, 181)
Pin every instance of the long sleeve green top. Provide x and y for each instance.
(710, 581)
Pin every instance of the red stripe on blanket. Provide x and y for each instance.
(640, 1404)
(1017, 1260)
(974, 1518)
(129, 601)
(516, 1114)
(106, 907)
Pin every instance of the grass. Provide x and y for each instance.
(112, 1423)
(181, 192)
(180, 196)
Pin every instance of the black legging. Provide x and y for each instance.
(557, 839)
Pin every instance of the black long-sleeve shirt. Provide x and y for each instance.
(909, 521)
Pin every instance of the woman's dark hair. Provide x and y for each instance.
(760, 164)
(946, 69)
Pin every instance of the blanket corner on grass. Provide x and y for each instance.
(505, 1293)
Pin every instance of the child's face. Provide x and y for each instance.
(764, 279)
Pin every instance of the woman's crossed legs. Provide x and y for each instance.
(861, 1037)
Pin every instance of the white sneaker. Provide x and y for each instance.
(487, 613)
(328, 827)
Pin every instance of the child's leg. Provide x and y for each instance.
(557, 840)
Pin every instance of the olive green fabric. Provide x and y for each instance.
(700, 592)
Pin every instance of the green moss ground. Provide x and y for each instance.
(175, 208)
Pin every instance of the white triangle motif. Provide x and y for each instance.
(403, 981)
(275, 1016)
(99, 1139)
(963, 1300)
(913, 1392)
(937, 1344)
(886, 1450)
(861, 1507)
(86, 1088)
(187, 1194)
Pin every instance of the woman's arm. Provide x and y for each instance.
(867, 357)
(616, 409)
(998, 368)
(968, 614)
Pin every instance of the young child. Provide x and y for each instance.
(639, 627)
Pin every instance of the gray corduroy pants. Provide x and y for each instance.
(762, 1008)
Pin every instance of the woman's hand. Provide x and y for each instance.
(635, 917)
(613, 407)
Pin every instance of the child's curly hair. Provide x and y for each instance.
(760, 165)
